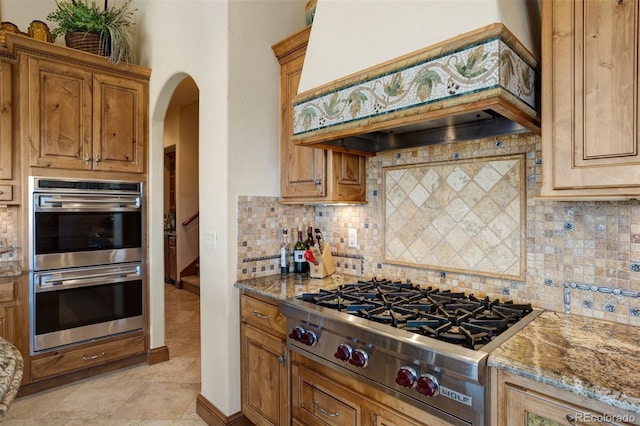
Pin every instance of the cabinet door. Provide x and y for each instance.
(119, 128)
(303, 169)
(59, 115)
(591, 97)
(527, 409)
(173, 260)
(6, 114)
(6, 324)
(319, 402)
(264, 377)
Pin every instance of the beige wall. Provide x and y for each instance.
(187, 204)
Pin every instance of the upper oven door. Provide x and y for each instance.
(73, 229)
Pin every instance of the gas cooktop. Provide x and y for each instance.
(450, 316)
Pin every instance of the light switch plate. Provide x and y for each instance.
(353, 237)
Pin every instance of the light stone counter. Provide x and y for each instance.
(283, 286)
(593, 358)
(11, 369)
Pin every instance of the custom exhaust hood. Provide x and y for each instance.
(477, 84)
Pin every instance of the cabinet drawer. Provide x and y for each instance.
(6, 192)
(263, 315)
(7, 291)
(77, 359)
(316, 401)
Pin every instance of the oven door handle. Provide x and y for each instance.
(46, 202)
(55, 282)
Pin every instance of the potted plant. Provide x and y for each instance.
(86, 26)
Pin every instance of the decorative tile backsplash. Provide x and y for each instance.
(584, 243)
(465, 216)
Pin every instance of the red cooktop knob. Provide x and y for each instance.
(359, 358)
(343, 353)
(309, 338)
(406, 377)
(297, 333)
(427, 385)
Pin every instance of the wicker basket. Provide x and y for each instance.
(87, 42)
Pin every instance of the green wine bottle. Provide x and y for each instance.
(300, 264)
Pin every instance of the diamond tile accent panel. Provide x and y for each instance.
(462, 216)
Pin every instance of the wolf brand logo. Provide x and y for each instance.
(457, 396)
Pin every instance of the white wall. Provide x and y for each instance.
(351, 35)
(225, 47)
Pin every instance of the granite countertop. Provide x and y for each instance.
(283, 286)
(11, 369)
(590, 357)
(10, 269)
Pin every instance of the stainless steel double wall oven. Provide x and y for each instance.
(86, 260)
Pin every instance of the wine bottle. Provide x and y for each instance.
(308, 243)
(284, 253)
(300, 265)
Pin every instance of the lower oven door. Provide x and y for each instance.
(81, 304)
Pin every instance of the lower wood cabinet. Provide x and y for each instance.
(264, 362)
(522, 402)
(7, 328)
(170, 259)
(60, 362)
(323, 396)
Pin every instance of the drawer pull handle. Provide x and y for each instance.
(259, 315)
(317, 406)
(89, 358)
(571, 419)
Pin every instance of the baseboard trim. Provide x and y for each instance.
(214, 417)
(158, 355)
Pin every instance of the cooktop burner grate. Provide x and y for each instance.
(450, 316)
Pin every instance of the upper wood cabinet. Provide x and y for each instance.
(311, 175)
(6, 117)
(590, 99)
(82, 115)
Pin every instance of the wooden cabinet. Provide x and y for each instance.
(590, 99)
(524, 402)
(8, 300)
(65, 361)
(170, 259)
(311, 175)
(264, 362)
(6, 117)
(317, 401)
(324, 396)
(82, 117)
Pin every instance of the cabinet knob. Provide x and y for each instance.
(98, 159)
(571, 419)
(282, 359)
(318, 181)
(87, 159)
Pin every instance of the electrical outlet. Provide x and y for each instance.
(353, 237)
(211, 240)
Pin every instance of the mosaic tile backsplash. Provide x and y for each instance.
(579, 257)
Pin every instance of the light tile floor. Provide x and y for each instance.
(163, 394)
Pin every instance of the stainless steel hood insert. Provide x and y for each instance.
(480, 84)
